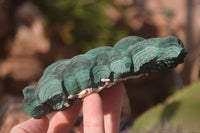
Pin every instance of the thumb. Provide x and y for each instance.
(32, 126)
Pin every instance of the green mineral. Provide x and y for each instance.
(67, 81)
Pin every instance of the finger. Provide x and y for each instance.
(112, 105)
(32, 126)
(93, 114)
(62, 121)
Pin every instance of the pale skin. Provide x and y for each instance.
(101, 114)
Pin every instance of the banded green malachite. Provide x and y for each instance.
(67, 81)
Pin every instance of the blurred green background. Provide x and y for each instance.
(35, 33)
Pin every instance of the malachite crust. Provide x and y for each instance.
(66, 81)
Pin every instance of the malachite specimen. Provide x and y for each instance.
(67, 81)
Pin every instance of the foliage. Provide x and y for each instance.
(82, 23)
(180, 113)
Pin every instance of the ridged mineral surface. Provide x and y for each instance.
(67, 81)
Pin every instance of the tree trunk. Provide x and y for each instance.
(191, 64)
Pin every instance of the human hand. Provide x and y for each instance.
(101, 113)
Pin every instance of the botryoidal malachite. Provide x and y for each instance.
(67, 81)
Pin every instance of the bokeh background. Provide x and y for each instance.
(35, 33)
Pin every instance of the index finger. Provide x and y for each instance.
(62, 121)
(93, 121)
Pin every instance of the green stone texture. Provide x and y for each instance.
(129, 57)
